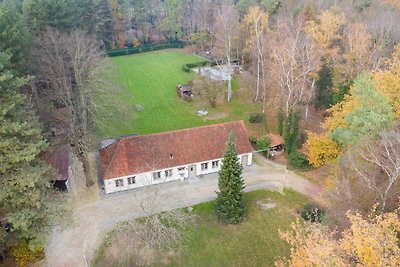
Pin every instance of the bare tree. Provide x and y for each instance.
(207, 90)
(367, 175)
(225, 30)
(295, 59)
(377, 164)
(73, 72)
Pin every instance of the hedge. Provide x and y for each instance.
(188, 66)
(256, 117)
(142, 49)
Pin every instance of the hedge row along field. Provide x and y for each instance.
(188, 66)
(142, 49)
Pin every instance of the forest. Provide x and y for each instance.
(326, 74)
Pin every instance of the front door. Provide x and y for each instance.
(244, 160)
(192, 170)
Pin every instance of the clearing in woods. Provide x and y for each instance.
(150, 79)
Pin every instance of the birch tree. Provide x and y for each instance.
(226, 27)
(257, 22)
(296, 60)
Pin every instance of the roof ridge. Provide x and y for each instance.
(185, 129)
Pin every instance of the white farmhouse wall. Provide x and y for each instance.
(249, 158)
(145, 179)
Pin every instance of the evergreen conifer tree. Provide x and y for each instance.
(229, 206)
(27, 199)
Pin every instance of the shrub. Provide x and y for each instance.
(253, 140)
(311, 212)
(297, 159)
(256, 117)
(263, 143)
(197, 64)
(185, 68)
(24, 256)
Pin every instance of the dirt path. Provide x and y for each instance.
(76, 246)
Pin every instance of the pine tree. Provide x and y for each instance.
(27, 199)
(324, 84)
(229, 205)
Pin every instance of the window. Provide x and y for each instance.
(181, 169)
(119, 182)
(168, 173)
(131, 180)
(215, 164)
(204, 166)
(156, 175)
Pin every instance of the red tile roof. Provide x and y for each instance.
(139, 154)
(276, 140)
(58, 158)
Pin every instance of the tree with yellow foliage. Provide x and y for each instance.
(388, 83)
(326, 31)
(363, 113)
(372, 242)
(321, 149)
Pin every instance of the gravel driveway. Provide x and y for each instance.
(76, 245)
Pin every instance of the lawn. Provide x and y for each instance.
(255, 242)
(149, 79)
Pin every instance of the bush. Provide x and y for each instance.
(198, 64)
(185, 68)
(24, 256)
(253, 140)
(311, 212)
(263, 143)
(256, 117)
(297, 159)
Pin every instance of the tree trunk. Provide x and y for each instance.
(258, 80)
(35, 96)
(228, 57)
(86, 170)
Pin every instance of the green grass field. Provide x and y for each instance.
(150, 79)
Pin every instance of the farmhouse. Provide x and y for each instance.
(136, 161)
